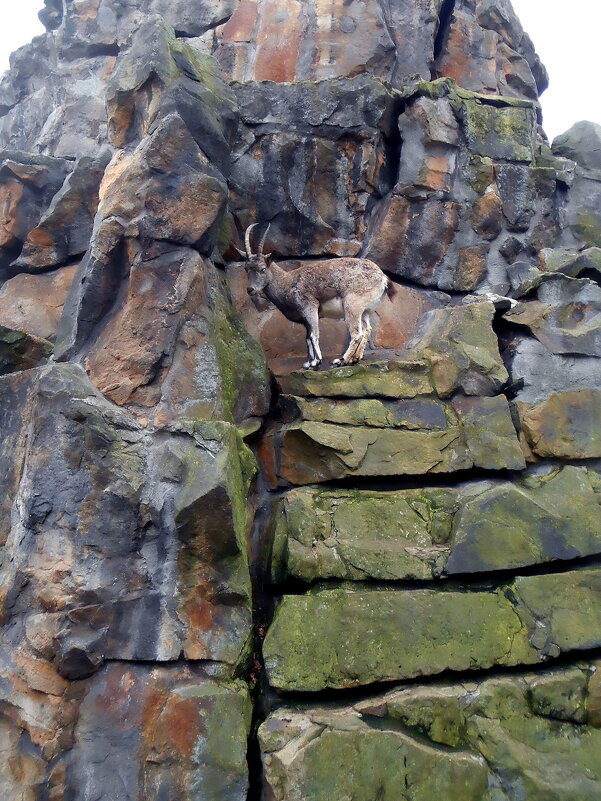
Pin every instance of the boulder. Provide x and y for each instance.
(27, 185)
(537, 374)
(34, 303)
(101, 26)
(183, 81)
(565, 317)
(565, 425)
(463, 349)
(60, 108)
(116, 563)
(571, 262)
(582, 144)
(488, 51)
(65, 228)
(582, 216)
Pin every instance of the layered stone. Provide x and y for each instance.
(369, 438)
(458, 739)
(431, 532)
(361, 637)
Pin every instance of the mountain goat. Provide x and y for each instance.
(346, 288)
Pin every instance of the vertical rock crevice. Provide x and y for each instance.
(444, 21)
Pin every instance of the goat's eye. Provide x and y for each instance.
(263, 270)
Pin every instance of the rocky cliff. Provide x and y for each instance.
(224, 578)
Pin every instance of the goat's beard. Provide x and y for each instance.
(261, 303)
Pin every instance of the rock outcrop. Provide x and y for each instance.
(223, 578)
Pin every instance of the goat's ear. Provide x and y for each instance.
(268, 258)
(241, 252)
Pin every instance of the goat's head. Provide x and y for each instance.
(257, 264)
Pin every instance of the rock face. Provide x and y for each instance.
(383, 580)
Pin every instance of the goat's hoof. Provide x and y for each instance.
(338, 363)
(312, 365)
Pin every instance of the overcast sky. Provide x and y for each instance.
(565, 34)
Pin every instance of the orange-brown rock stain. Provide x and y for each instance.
(278, 41)
(86, 10)
(181, 724)
(241, 25)
(40, 238)
(11, 194)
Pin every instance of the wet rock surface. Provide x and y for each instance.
(383, 579)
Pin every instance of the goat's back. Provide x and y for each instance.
(340, 277)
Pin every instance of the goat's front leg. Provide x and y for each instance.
(311, 323)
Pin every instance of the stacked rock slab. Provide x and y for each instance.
(386, 578)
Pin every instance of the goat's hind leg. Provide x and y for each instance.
(314, 356)
(367, 329)
(352, 318)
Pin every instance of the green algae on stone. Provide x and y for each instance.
(500, 133)
(510, 525)
(334, 639)
(478, 432)
(219, 770)
(244, 378)
(358, 534)
(398, 378)
(429, 533)
(527, 733)
(341, 638)
(21, 351)
(327, 756)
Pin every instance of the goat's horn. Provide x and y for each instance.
(263, 238)
(247, 245)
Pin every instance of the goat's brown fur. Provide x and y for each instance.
(344, 287)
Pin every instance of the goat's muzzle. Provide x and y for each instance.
(251, 291)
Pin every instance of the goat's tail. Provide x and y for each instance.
(391, 289)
